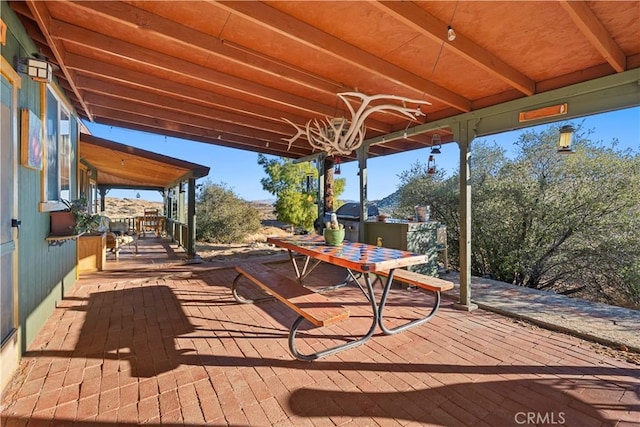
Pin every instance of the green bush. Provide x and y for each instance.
(222, 217)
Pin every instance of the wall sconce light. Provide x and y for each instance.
(431, 165)
(566, 135)
(38, 68)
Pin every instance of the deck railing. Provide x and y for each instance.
(129, 220)
(177, 231)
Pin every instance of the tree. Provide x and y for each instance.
(567, 223)
(295, 203)
(544, 220)
(223, 217)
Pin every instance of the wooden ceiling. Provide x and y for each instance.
(123, 166)
(226, 73)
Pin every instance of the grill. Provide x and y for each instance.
(349, 215)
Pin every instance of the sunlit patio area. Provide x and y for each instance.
(156, 340)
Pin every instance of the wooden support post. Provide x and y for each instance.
(320, 200)
(328, 184)
(103, 196)
(464, 136)
(191, 219)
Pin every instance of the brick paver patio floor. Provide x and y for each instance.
(178, 350)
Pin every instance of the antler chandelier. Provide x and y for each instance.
(340, 135)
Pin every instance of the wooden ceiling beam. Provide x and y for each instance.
(596, 33)
(42, 17)
(266, 149)
(121, 96)
(274, 20)
(99, 102)
(198, 75)
(157, 89)
(204, 90)
(172, 33)
(188, 131)
(428, 25)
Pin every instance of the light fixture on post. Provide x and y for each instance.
(431, 165)
(435, 143)
(337, 170)
(566, 135)
(38, 68)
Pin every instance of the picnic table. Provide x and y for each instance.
(359, 259)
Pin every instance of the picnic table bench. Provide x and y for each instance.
(423, 281)
(314, 307)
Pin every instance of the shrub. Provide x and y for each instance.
(222, 217)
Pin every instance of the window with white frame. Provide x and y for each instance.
(57, 174)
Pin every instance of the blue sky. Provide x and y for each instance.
(240, 171)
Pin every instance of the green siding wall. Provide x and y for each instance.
(44, 272)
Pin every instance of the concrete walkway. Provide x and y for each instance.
(605, 324)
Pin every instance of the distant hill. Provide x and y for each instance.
(129, 208)
(389, 203)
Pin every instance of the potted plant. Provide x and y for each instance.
(333, 232)
(75, 219)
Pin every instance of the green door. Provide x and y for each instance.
(7, 213)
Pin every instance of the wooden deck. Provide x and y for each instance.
(155, 340)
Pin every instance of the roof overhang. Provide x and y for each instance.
(123, 166)
(227, 73)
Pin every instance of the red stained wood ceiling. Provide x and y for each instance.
(226, 73)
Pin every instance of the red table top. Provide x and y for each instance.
(351, 255)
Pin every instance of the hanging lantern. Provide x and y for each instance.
(566, 135)
(337, 170)
(431, 165)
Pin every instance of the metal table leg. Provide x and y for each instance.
(411, 324)
(341, 347)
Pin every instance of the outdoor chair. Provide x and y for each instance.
(151, 221)
(119, 235)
